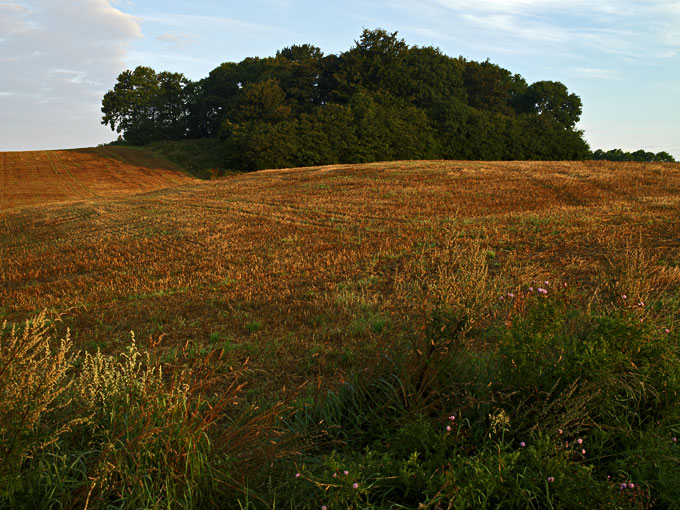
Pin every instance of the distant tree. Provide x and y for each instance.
(552, 98)
(375, 63)
(664, 157)
(488, 86)
(263, 101)
(639, 156)
(450, 121)
(299, 70)
(337, 123)
(431, 78)
(258, 145)
(147, 106)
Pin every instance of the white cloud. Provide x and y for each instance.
(638, 29)
(594, 72)
(58, 57)
(178, 39)
(212, 22)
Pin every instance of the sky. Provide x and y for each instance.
(59, 57)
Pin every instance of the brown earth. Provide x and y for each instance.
(46, 177)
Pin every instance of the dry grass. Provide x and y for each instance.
(34, 383)
(297, 269)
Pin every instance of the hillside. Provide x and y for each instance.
(413, 334)
(282, 247)
(46, 177)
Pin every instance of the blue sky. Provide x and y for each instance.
(58, 57)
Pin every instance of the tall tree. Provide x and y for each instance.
(553, 99)
(299, 71)
(376, 63)
(147, 106)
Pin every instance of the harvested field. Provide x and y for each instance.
(319, 263)
(40, 178)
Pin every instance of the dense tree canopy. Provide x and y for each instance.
(380, 100)
(639, 156)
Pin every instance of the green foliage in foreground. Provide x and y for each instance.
(557, 405)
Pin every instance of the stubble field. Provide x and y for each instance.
(37, 178)
(306, 261)
(300, 279)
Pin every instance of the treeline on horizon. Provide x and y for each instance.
(381, 100)
(640, 156)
